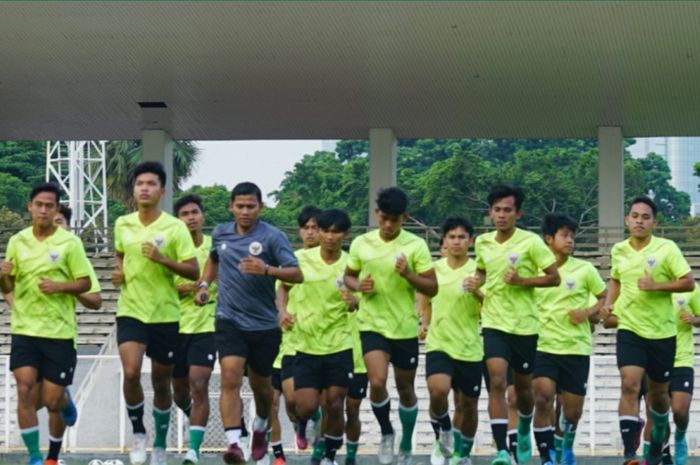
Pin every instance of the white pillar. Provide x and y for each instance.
(611, 182)
(158, 146)
(382, 165)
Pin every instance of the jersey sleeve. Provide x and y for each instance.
(694, 303)
(541, 255)
(354, 262)
(676, 262)
(480, 265)
(78, 262)
(184, 246)
(11, 254)
(118, 244)
(422, 260)
(282, 251)
(595, 283)
(94, 282)
(614, 264)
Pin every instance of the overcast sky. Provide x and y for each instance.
(263, 162)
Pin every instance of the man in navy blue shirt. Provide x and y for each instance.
(247, 255)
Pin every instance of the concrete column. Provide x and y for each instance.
(382, 165)
(611, 183)
(158, 146)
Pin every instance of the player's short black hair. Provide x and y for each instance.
(455, 222)
(334, 217)
(645, 200)
(502, 191)
(184, 200)
(553, 222)
(392, 201)
(66, 212)
(307, 213)
(152, 167)
(45, 187)
(246, 188)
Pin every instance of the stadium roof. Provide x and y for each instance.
(296, 70)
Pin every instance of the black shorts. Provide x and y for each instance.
(287, 370)
(194, 349)
(682, 380)
(487, 378)
(518, 351)
(466, 376)
(656, 356)
(54, 359)
(358, 386)
(323, 371)
(403, 353)
(160, 339)
(259, 348)
(275, 380)
(569, 372)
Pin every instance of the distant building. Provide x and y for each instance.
(681, 154)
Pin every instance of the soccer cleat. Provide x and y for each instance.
(245, 446)
(524, 451)
(464, 461)
(279, 461)
(655, 455)
(264, 461)
(327, 461)
(69, 412)
(567, 456)
(455, 459)
(681, 451)
(446, 444)
(436, 457)
(234, 455)
(137, 454)
(158, 456)
(38, 460)
(302, 442)
(259, 445)
(191, 458)
(50, 462)
(405, 458)
(385, 454)
(350, 461)
(502, 458)
(631, 461)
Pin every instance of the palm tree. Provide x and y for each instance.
(124, 155)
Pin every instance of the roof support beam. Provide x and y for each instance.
(158, 146)
(611, 182)
(382, 165)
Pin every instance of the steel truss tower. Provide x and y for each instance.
(79, 169)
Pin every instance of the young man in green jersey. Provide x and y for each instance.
(454, 352)
(645, 271)
(46, 268)
(511, 263)
(324, 339)
(387, 266)
(565, 341)
(152, 248)
(283, 367)
(196, 352)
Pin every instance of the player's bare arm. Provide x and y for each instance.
(550, 278)
(684, 284)
(188, 269)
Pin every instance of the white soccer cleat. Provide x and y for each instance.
(446, 444)
(244, 444)
(327, 461)
(137, 454)
(159, 456)
(405, 458)
(436, 457)
(385, 454)
(190, 458)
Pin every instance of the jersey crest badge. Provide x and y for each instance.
(54, 256)
(651, 262)
(158, 241)
(513, 259)
(680, 301)
(570, 284)
(255, 248)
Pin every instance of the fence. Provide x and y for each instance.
(103, 426)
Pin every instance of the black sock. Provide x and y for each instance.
(332, 446)
(136, 417)
(381, 412)
(244, 431)
(301, 427)
(436, 427)
(500, 431)
(513, 444)
(545, 441)
(54, 448)
(445, 423)
(668, 459)
(277, 450)
(628, 430)
(187, 410)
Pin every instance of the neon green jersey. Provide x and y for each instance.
(322, 316)
(454, 324)
(648, 314)
(149, 294)
(391, 309)
(358, 361)
(195, 319)
(94, 282)
(60, 257)
(289, 336)
(579, 282)
(685, 344)
(511, 309)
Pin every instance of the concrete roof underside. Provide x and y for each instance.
(315, 70)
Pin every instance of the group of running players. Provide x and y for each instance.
(320, 326)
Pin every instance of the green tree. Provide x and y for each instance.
(215, 200)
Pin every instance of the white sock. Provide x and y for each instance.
(233, 436)
(260, 424)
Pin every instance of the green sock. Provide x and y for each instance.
(317, 415)
(319, 450)
(161, 420)
(660, 423)
(30, 436)
(350, 450)
(457, 436)
(569, 437)
(467, 444)
(196, 437)
(408, 416)
(524, 422)
(558, 440)
(679, 435)
(645, 449)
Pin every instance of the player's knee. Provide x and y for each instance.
(24, 392)
(630, 387)
(438, 392)
(199, 387)
(305, 408)
(230, 381)
(54, 403)
(132, 375)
